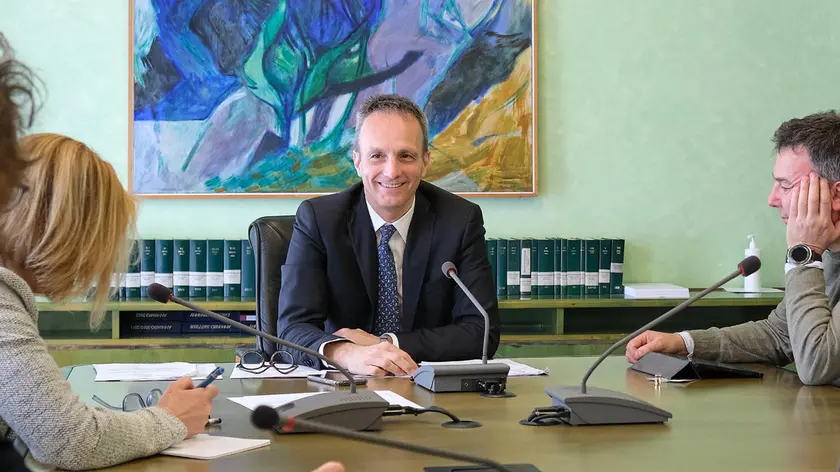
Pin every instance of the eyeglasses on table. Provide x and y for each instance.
(133, 401)
(255, 361)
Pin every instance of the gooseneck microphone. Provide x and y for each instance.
(745, 268)
(163, 294)
(602, 406)
(362, 411)
(451, 272)
(265, 417)
(488, 378)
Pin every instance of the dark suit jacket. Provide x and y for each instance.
(330, 278)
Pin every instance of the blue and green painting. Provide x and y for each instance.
(259, 96)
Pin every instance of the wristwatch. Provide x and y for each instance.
(801, 254)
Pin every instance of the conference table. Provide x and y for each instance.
(770, 424)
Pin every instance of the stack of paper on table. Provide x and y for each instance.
(655, 290)
(204, 446)
(517, 369)
(743, 290)
(301, 372)
(155, 371)
(253, 401)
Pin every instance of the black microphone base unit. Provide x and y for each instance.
(481, 468)
(360, 411)
(672, 367)
(601, 406)
(491, 379)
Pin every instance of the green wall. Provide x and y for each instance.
(655, 118)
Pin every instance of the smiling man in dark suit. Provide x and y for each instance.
(362, 282)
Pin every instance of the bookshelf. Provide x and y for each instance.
(531, 327)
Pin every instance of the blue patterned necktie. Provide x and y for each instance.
(388, 309)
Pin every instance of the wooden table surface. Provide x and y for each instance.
(769, 424)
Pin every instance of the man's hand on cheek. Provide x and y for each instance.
(811, 221)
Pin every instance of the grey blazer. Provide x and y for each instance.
(801, 329)
(49, 424)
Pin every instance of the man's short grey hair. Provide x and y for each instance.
(819, 135)
(394, 104)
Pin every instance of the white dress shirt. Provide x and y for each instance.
(397, 245)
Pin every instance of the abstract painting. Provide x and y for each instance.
(258, 97)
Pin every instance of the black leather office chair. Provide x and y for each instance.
(9, 457)
(270, 237)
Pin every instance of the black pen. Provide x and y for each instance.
(210, 378)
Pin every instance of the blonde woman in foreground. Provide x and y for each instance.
(70, 228)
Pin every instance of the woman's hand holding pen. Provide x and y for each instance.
(190, 405)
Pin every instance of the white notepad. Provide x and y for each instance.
(204, 446)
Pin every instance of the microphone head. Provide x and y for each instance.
(448, 267)
(264, 417)
(158, 292)
(749, 265)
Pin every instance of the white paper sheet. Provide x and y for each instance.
(517, 369)
(253, 401)
(396, 399)
(154, 371)
(271, 373)
(742, 290)
(204, 446)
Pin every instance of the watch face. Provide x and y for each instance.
(799, 254)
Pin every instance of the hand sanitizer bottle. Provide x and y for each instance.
(752, 283)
